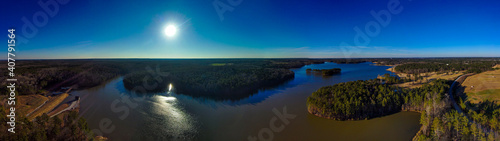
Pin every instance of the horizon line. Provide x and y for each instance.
(247, 58)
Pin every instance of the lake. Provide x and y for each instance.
(279, 113)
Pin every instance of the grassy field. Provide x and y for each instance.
(221, 64)
(51, 104)
(28, 103)
(483, 86)
(426, 77)
(59, 108)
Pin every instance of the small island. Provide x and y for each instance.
(326, 72)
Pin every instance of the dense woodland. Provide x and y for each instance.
(326, 72)
(452, 125)
(370, 98)
(468, 66)
(486, 113)
(355, 100)
(70, 128)
(214, 82)
(397, 61)
(479, 123)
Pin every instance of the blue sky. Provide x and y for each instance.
(254, 29)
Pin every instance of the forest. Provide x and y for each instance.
(365, 99)
(468, 66)
(443, 60)
(219, 83)
(325, 72)
(479, 123)
(355, 100)
(68, 128)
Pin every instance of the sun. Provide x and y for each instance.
(170, 30)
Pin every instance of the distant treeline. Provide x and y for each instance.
(468, 66)
(326, 72)
(448, 60)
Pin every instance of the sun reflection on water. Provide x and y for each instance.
(172, 119)
(168, 98)
(170, 87)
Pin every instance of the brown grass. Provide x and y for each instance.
(59, 108)
(429, 77)
(497, 66)
(483, 86)
(426, 77)
(28, 103)
(51, 104)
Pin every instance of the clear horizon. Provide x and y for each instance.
(254, 29)
(257, 58)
